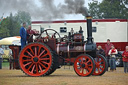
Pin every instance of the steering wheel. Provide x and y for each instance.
(47, 34)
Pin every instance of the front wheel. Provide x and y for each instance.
(84, 65)
(101, 65)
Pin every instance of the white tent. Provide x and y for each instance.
(10, 41)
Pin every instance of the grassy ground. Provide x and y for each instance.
(5, 64)
(62, 77)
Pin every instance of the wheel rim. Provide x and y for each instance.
(83, 65)
(35, 59)
(100, 65)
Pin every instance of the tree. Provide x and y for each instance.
(10, 26)
(109, 9)
(4, 31)
(94, 10)
(23, 16)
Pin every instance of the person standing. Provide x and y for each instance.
(107, 48)
(100, 50)
(112, 60)
(125, 60)
(81, 31)
(72, 31)
(23, 35)
(30, 34)
(1, 53)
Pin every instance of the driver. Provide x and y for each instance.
(30, 34)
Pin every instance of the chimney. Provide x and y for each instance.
(89, 30)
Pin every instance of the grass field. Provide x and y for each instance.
(5, 64)
(62, 77)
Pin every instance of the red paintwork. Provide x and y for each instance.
(120, 46)
(78, 37)
(99, 65)
(86, 61)
(15, 51)
(79, 21)
(38, 62)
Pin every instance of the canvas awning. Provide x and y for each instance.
(10, 41)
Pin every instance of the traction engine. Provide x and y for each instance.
(49, 52)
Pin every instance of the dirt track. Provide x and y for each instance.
(63, 77)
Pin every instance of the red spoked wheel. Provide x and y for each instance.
(84, 65)
(36, 59)
(101, 65)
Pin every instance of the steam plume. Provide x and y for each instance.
(47, 11)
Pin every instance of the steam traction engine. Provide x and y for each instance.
(47, 53)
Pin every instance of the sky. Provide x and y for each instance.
(40, 11)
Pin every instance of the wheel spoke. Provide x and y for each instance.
(44, 59)
(42, 65)
(89, 69)
(31, 51)
(32, 69)
(30, 66)
(100, 61)
(86, 71)
(101, 68)
(27, 56)
(81, 60)
(45, 62)
(37, 68)
(102, 64)
(39, 50)
(40, 68)
(28, 60)
(46, 33)
(35, 51)
(82, 71)
(95, 70)
(44, 55)
(41, 53)
(90, 65)
(27, 64)
(30, 54)
(88, 61)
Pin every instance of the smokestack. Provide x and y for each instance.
(89, 30)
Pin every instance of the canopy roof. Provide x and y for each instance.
(10, 41)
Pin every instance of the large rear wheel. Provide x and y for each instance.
(84, 65)
(36, 59)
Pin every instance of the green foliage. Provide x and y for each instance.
(109, 9)
(5, 64)
(4, 31)
(94, 10)
(10, 26)
(23, 16)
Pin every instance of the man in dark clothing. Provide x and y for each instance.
(81, 31)
(23, 35)
(100, 51)
(107, 48)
